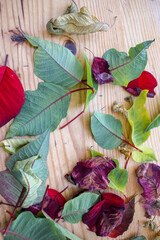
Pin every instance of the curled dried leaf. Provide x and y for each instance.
(76, 23)
(120, 108)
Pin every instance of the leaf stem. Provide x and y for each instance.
(44, 197)
(6, 61)
(128, 201)
(7, 204)
(2, 231)
(61, 192)
(132, 145)
(11, 219)
(127, 161)
(72, 120)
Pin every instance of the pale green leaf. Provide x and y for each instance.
(75, 208)
(29, 227)
(91, 82)
(95, 153)
(39, 146)
(76, 23)
(107, 130)
(13, 145)
(155, 123)
(55, 63)
(42, 109)
(139, 119)
(146, 156)
(118, 179)
(64, 231)
(125, 68)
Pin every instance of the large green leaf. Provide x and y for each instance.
(155, 123)
(13, 145)
(107, 130)
(69, 235)
(55, 63)
(118, 179)
(91, 82)
(39, 146)
(124, 68)
(75, 208)
(31, 228)
(139, 119)
(147, 155)
(42, 109)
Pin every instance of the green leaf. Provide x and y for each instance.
(91, 82)
(146, 156)
(139, 119)
(42, 109)
(95, 153)
(64, 231)
(13, 145)
(29, 227)
(155, 123)
(39, 146)
(75, 208)
(118, 179)
(55, 63)
(107, 130)
(125, 68)
(138, 238)
(22, 171)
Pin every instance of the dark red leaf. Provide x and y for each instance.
(12, 95)
(101, 72)
(126, 220)
(145, 81)
(93, 173)
(149, 178)
(53, 203)
(105, 215)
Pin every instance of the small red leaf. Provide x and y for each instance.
(12, 95)
(145, 81)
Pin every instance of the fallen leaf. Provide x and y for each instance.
(101, 72)
(145, 81)
(155, 123)
(76, 23)
(147, 155)
(125, 68)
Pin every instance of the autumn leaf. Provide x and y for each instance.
(12, 95)
(125, 68)
(76, 23)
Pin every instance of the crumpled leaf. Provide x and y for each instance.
(91, 82)
(52, 204)
(105, 215)
(145, 81)
(55, 63)
(75, 208)
(29, 227)
(13, 145)
(125, 68)
(155, 123)
(147, 154)
(118, 179)
(149, 178)
(72, 8)
(93, 173)
(139, 119)
(43, 109)
(39, 147)
(12, 95)
(101, 72)
(126, 220)
(107, 130)
(76, 23)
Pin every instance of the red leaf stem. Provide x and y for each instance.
(44, 197)
(2, 231)
(72, 120)
(7, 204)
(11, 214)
(61, 192)
(127, 161)
(128, 201)
(6, 61)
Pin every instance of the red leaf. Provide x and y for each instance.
(145, 81)
(12, 95)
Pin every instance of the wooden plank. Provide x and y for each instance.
(137, 21)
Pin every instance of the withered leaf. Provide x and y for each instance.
(82, 22)
(72, 8)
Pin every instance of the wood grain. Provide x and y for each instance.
(137, 21)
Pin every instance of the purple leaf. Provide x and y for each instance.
(149, 178)
(101, 72)
(93, 173)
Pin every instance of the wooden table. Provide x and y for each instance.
(137, 21)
